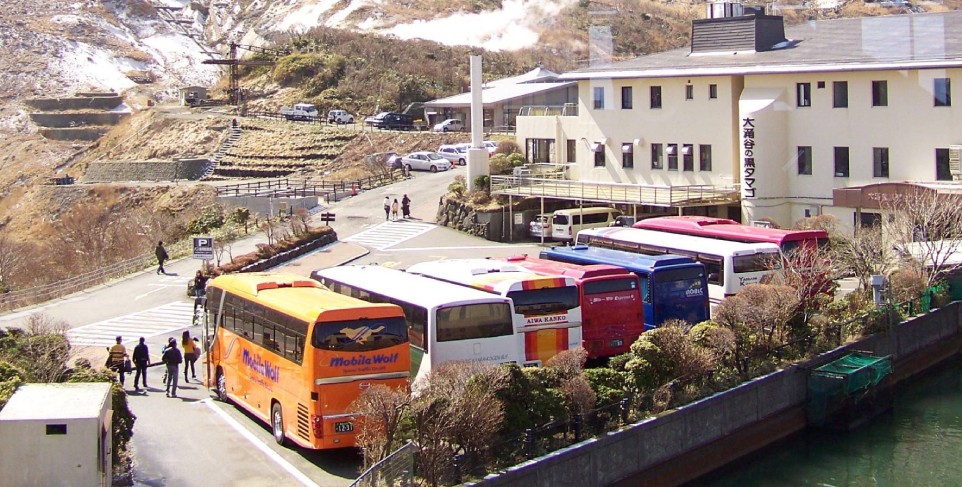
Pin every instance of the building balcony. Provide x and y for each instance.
(566, 110)
(605, 192)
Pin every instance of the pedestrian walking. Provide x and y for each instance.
(172, 359)
(162, 256)
(191, 354)
(115, 359)
(387, 208)
(200, 289)
(394, 210)
(406, 206)
(141, 362)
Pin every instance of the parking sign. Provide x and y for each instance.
(204, 248)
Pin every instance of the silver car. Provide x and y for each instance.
(425, 161)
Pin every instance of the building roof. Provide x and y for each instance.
(498, 94)
(536, 75)
(870, 196)
(932, 40)
(56, 401)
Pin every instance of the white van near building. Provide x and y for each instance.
(565, 224)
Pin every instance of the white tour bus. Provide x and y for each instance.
(730, 265)
(446, 322)
(547, 310)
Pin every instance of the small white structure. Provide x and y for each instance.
(57, 434)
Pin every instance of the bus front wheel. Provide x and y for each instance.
(221, 385)
(277, 423)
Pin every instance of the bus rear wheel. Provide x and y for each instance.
(277, 423)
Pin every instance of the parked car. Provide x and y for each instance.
(426, 161)
(456, 153)
(339, 116)
(391, 120)
(300, 111)
(449, 125)
(393, 160)
(540, 224)
(491, 146)
(622, 221)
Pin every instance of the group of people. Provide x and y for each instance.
(390, 208)
(171, 357)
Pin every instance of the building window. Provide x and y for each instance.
(880, 93)
(942, 172)
(689, 92)
(803, 94)
(841, 162)
(880, 162)
(704, 157)
(599, 98)
(599, 150)
(570, 150)
(805, 159)
(655, 97)
(840, 94)
(712, 91)
(626, 102)
(943, 92)
(672, 151)
(539, 150)
(688, 157)
(627, 155)
(657, 157)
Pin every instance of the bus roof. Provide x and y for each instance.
(576, 271)
(490, 275)
(728, 229)
(301, 297)
(405, 286)
(688, 243)
(622, 258)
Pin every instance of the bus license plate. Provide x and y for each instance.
(343, 427)
(616, 342)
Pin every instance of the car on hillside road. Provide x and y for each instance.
(425, 161)
(339, 116)
(491, 146)
(450, 125)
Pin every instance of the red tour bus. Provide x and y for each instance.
(612, 312)
(725, 229)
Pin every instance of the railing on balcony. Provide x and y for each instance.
(667, 196)
(566, 110)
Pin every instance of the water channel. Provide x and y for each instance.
(917, 443)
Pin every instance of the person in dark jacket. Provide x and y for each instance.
(406, 206)
(161, 254)
(141, 362)
(172, 359)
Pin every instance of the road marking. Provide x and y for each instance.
(273, 455)
(390, 233)
(150, 323)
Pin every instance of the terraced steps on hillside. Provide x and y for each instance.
(86, 116)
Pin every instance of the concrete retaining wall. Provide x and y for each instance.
(695, 439)
(65, 120)
(75, 133)
(75, 103)
(264, 206)
(102, 172)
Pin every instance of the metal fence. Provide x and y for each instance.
(612, 192)
(397, 470)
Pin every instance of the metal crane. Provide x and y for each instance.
(232, 62)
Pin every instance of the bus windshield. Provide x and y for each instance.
(609, 286)
(474, 321)
(680, 284)
(545, 301)
(360, 335)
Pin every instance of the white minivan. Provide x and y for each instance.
(449, 125)
(565, 224)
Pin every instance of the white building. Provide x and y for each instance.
(57, 434)
(755, 121)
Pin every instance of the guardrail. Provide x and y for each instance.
(612, 192)
(286, 187)
(278, 116)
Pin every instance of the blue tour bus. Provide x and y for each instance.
(672, 286)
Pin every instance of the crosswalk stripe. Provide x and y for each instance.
(147, 324)
(390, 233)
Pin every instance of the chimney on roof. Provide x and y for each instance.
(732, 27)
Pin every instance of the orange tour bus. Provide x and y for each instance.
(296, 355)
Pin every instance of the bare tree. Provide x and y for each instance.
(383, 409)
(866, 255)
(926, 227)
(759, 318)
(41, 351)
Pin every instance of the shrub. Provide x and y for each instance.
(458, 187)
(608, 384)
(499, 164)
(507, 147)
(482, 183)
(210, 218)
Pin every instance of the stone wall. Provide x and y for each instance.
(73, 119)
(103, 172)
(459, 216)
(75, 103)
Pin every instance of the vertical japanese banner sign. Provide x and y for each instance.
(748, 156)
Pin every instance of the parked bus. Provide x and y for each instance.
(730, 265)
(612, 314)
(547, 310)
(725, 229)
(295, 355)
(445, 322)
(672, 286)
